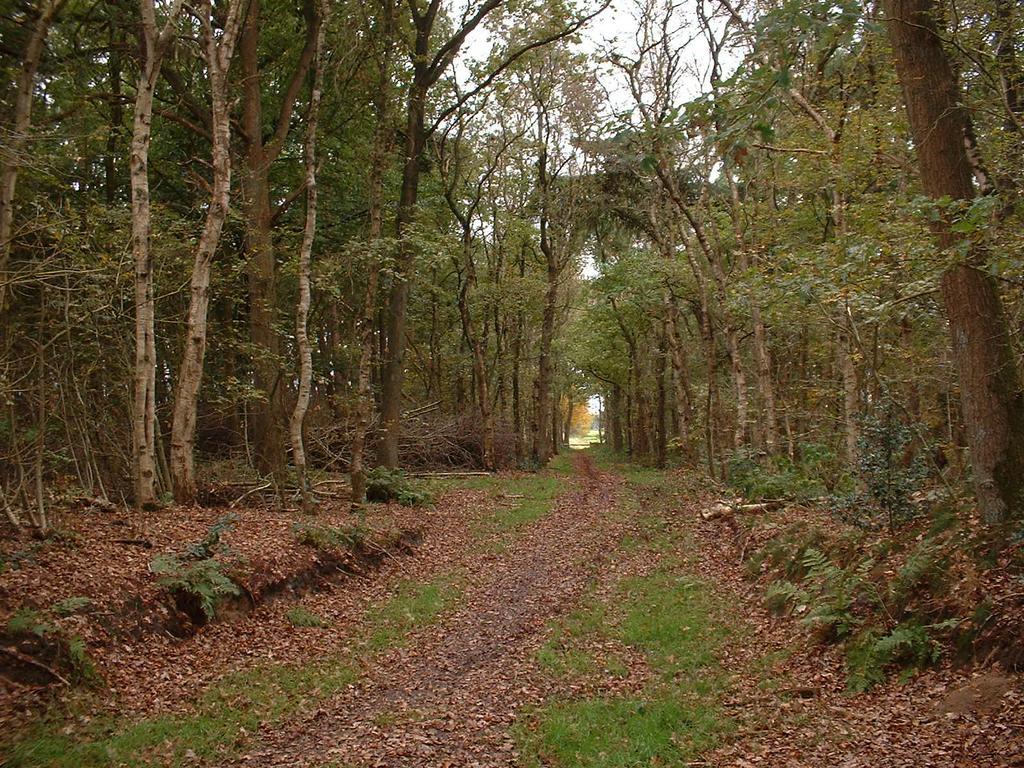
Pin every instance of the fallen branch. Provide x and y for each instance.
(144, 543)
(248, 493)
(24, 659)
(466, 473)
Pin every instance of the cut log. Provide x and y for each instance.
(727, 508)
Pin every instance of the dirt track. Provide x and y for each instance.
(448, 697)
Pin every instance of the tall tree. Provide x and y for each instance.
(154, 42)
(990, 386)
(302, 343)
(16, 144)
(218, 51)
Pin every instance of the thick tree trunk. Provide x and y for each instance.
(398, 302)
(615, 418)
(991, 398)
(14, 153)
(302, 343)
(264, 413)
(154, 45)
(218, 55)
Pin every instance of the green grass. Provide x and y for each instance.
(303, 617)
(414, 605)
(676, 621)
(613, 732)
(673, 620)
(517, 502)
(217, 723)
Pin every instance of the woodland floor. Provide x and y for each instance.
(583, 616)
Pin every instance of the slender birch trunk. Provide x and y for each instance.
(305, 256)
(154, 46)
(218, 55)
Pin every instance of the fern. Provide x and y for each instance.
(780, 594)
(28, 621)
(203, 579)
(209, 546)
(837, 592)
(70, 605)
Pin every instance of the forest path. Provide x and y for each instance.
(449, 696)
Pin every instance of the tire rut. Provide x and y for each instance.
(449, 697)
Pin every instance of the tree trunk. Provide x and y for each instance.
(661, 439)
(302, 344)
(765, 382)
(218, 54)
(540, 435)
(851, 392)
(375, 193)
(398, 303)
(154, 45)
(265, 412)
(991, 398)
(683, 399)
(16, 150)
(615, 418)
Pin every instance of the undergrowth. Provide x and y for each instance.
(65, 650)
(329, 538)
(196, 573)
(885, 599)
(383, 485)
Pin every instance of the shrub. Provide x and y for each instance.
(782, 478)
(909, 645)
(887, 477)
(383, 484)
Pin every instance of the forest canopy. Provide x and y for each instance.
(779, 242)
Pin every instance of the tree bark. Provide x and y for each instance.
(991, 398)
(218, 54)
(267, 413)
(14, 153)
(381, 148)
(683, 398)
(302, 343)
(154, 45)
